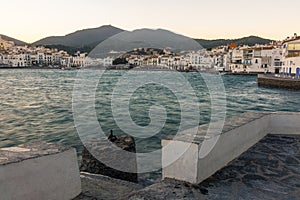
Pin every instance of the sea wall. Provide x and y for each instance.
(238, 135)
(277, 82)
(285, 123)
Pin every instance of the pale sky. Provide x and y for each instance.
(32, 20)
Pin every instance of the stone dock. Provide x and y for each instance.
(278, 82)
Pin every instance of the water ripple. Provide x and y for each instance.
(36, 105)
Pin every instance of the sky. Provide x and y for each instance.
(32, 20)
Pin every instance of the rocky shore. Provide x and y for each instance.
(97, 154)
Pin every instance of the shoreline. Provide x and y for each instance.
(133, 69)
(7, 67)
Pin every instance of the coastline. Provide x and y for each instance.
(9, 67)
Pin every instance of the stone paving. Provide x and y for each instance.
(269, 170)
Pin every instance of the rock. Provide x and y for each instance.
(113, 156)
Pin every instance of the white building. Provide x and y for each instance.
(266, 59)
(257, 59)
(200, 59)
(221, 62)
(291, 55)
(79, 60)
(236, 60)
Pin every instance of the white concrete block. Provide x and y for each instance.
(39, 171)
(230, 144)
(179, 160)
(285, 123)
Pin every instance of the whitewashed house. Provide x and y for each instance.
(236, 63)
(79, 60)
(291, 55)
(200, 60)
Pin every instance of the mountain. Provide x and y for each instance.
(81, 38)
(251, 40)
(17, 42)
(144, 38)
(86, 40)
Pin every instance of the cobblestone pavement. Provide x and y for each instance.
(269, 170)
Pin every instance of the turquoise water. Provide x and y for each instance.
(37, 104)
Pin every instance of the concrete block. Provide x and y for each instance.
(285, 123)
(39, 171)
(240, 134)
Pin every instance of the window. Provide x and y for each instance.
(292, 47)
(293, 53)
(256, 61)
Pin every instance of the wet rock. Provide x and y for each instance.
(113, 157)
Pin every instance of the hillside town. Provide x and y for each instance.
(276, 57)
(12, 55)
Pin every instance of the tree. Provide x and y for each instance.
(120, 61)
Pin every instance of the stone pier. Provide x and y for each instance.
(278, 82)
